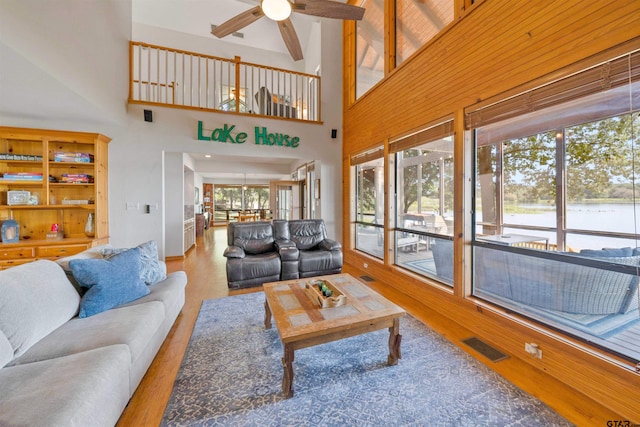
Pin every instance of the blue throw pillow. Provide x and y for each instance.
(152, 270)
(111, 282)
(607, 252)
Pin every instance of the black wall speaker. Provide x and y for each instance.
(334, 133)
(148, 116)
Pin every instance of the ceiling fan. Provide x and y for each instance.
(280, 11)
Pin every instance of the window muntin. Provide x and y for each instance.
(573, 256)
(418, 21)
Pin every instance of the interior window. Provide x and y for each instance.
(418, 21)
(370, 47)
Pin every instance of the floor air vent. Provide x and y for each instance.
(485, 349)
(367, 278)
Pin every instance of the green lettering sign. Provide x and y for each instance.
(262, 136)
(201, 137)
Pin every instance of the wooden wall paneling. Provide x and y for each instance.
(348, 204)
(584, 410)
(462, 185)
(474, 60)
(389, 206)
(562, 359)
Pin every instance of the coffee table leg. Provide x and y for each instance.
(394, 343)
(267, 315)
(287, 365)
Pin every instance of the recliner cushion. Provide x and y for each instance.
(254, 238)
(252, 267)
(320, 260)
(306, 234)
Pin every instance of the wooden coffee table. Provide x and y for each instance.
(301, 322)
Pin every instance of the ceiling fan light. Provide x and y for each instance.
(278, 10)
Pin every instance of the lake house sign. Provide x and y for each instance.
(261, 136)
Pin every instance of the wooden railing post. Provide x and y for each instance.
(236, 88)
(288, 97)
(131, 77)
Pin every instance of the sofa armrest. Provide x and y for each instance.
(289, 254)
(234, 252)
(287, 250)
(284, 243)
(329, 245)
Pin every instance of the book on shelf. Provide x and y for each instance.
(62, 157)
(76, 178)
(22, 176)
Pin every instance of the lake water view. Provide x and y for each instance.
(616, 218)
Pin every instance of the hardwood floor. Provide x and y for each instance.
(205, 268)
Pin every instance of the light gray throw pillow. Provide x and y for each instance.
(6, 351)
(35, 299)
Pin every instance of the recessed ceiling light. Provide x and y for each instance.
(207, 155)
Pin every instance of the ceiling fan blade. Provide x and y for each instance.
(238, 22)
(290, 39)
(329, 9)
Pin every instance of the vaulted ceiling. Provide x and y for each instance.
(196, 17)
(417, 21)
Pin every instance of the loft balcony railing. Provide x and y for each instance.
(180, 79)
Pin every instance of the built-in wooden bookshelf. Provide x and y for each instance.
(54, 188)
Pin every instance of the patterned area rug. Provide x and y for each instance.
(231, 376)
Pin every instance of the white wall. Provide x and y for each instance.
(173, 209)
(80, 45)
(145, 160)
(210, 45)
(331, 166)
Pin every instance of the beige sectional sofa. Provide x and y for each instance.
(58, 369)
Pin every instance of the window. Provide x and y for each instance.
(424, 201)
(370, 54)
(229, 199)
(418, 21)
(228, 99)
(256, 197)
(556, 207)
(369, 192)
